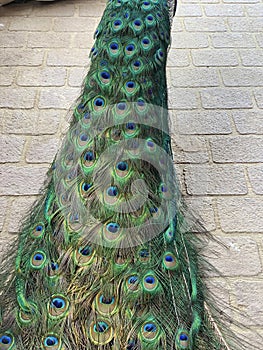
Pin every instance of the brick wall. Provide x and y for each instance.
(215, 79)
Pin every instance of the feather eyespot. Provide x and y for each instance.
(86, 118)
(52, 269)
(89, 158)
(117, 25)
(122, 166)
(113, 227)
(84, 255)
(51, 342)
(105, 77)
(101, 332)
(146, 43)
(130, 49)
(114, 46)
(150, 283)
(132, 344)
(111, 231)
(83, 139)
(144, 255)
(122, 169)
(105, 305)
(183, 339)
(38, 260)
(131, 128)
(85, 187)
(146, 5)
(121, 108)
(58, 306)
(115, 134)
(111, 195)
(112, 191)
(38, 231)
(6, 341)
(131, 87)
(169, 261)
(165, 192)
(137, 65)
(132, 283)
(149, 330)
(99, 103)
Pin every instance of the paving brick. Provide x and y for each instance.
(193, 77)
(42, 77)
(204, 122)
(24, 57)
(82, 41)
(67, 57)
(189, 150)
(229, 259)
(248, 122)
(225, 10)
(242, 76)
(189, 40)
(19, 121)
(259, 38)
(17, 98)
(76, 76)
(49, 40)
(22, 180)
(226, 98)
(215, 180)
(237, 149)
(216, 58)
(245, 24)
(177, 25)
(203, 209)
(241, 1)
(75, 24)
(12, 39)
(15, 10)
(201, 1)
(259, 97)
(42, 150)
(183, 99)
(178, 58)
(59, 98)
(30, 24)
(251, 306)
(48, 121)
(19, 208)
(205, 25)
(31, 122)
(11, 148)
(53, 10)
(254, 10)
(93, 10)
(7, 76)
(221, 40)
(3, 206)
(256, 176)
(5, 241)
(189, 10)
(251, 57)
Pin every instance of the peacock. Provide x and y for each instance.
(105, 259)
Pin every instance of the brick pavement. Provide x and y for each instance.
(215, 79)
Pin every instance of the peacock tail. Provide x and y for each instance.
(105, 260)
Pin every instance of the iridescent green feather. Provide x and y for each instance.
(103, 260)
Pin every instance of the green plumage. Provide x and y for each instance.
(103, 261)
